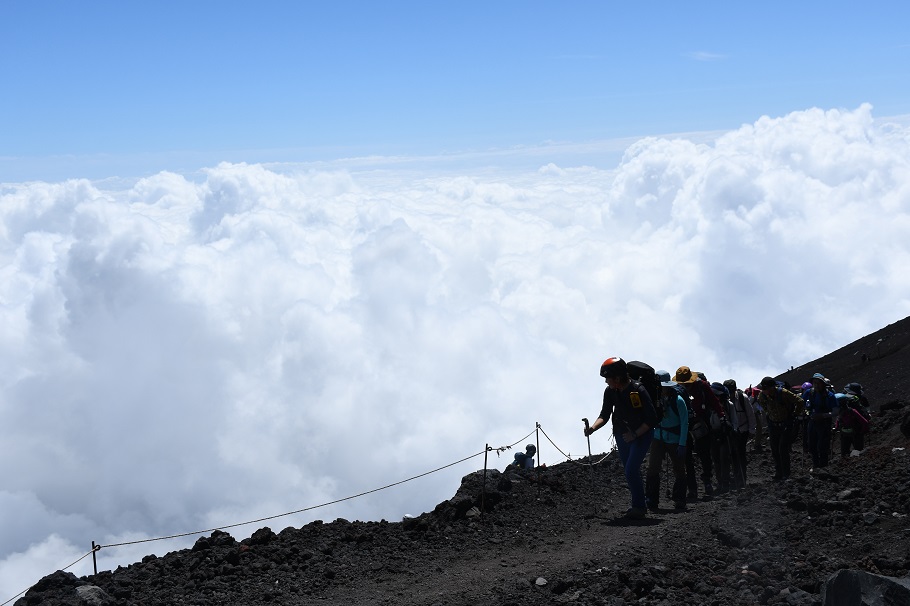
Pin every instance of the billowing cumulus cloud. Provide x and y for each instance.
(182, 354)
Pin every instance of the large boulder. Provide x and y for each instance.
(483, 491)
(859, 588)
(64, 589)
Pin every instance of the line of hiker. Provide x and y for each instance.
(685, 417)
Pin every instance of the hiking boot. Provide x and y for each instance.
(636, 513)
(709, 489)
(653, 507)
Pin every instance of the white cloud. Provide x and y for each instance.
(181, 354)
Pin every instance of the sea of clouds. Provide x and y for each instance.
(184, 352)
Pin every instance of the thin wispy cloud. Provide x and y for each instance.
(705, 56)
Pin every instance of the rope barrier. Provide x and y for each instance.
(96, 548)
(281, 515)
(336, 501)
(569, 457)
(515, 443)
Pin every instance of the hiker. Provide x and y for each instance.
(820, 406)
(859, 402)
(670, 438)
(781, 409)
(804, 388)
(525, 460)
(744, 423)
(704, 402)
(720, 440)
(633, 419)
(852, 426)
(758, 442)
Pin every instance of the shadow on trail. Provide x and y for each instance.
(624, 521)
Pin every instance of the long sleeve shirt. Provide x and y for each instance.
(744, 421)
(818, 403)
(674, 427)
(629, 407)
(782, 406)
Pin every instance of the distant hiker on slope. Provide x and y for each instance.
(634, 417)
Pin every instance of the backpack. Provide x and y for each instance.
(521, 461)
(646, 376)
(740, 398)
(857, 400)
(856, 404)
(680, 391)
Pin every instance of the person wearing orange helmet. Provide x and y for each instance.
(628, 403)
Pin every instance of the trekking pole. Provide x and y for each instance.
(590, 462)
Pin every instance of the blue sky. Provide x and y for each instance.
(263, 232)
(148, 86)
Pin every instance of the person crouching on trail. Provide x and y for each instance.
(669, 440)
(633, 413)
(524, 460)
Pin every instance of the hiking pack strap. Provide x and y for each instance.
(675, 428)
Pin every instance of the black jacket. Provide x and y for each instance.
(629, 407)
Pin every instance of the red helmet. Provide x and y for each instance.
(613, 367)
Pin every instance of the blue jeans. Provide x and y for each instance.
(632, 456)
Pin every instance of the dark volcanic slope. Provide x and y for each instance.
(552, 537)
(880, 361)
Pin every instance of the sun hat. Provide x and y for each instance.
(685, 375)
